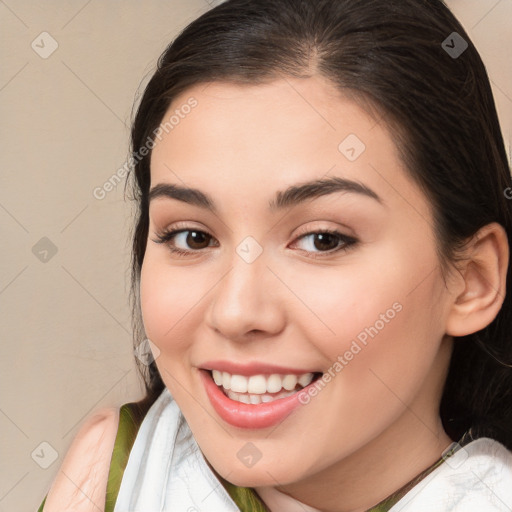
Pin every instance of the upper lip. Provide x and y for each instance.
(253, 368)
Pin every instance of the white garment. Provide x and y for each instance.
(476, 478)
(278, 501)
(166, 470)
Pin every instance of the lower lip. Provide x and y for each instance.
(243, 415)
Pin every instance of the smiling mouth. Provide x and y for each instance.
(257, 389)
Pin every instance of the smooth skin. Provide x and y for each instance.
(81, 483)
(376, 424)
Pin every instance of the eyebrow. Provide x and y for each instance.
(292, 196)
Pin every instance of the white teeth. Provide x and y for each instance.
(305, 380)
(256, 399)
(239, 383)
(274, 384)
(289, 382)
(243, 398)
(226, 380)
(257, 384)
(232, 395)
(217, 377)
(259, 388)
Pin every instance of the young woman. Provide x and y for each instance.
(320, 268)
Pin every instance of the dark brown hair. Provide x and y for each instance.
(439, 107)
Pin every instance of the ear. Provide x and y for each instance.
(484, 274)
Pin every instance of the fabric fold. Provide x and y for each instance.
(166, 470)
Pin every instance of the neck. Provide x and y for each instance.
(377, 470)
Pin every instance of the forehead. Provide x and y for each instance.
(245, 139)
(276, 117)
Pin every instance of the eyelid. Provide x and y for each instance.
(304, 230)
(308, 229)
(348, 243)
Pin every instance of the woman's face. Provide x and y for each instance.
(265, 296)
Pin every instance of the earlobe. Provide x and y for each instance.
(484, 273)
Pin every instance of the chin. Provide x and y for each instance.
(251, 479)
(259, 475)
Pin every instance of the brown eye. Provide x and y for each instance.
(196, 239)
(186, 242)
(326, 241)
(193, 240)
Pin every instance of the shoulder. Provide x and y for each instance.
(476, 477)
(101, 425)
(80, 484)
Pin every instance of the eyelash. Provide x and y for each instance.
(166, 236)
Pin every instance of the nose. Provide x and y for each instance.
(247, 301)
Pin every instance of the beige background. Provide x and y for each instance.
(65, 324)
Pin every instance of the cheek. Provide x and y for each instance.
(167, 303)
(170, 308)
(383, 348)
(381, 312)
(347, 300)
